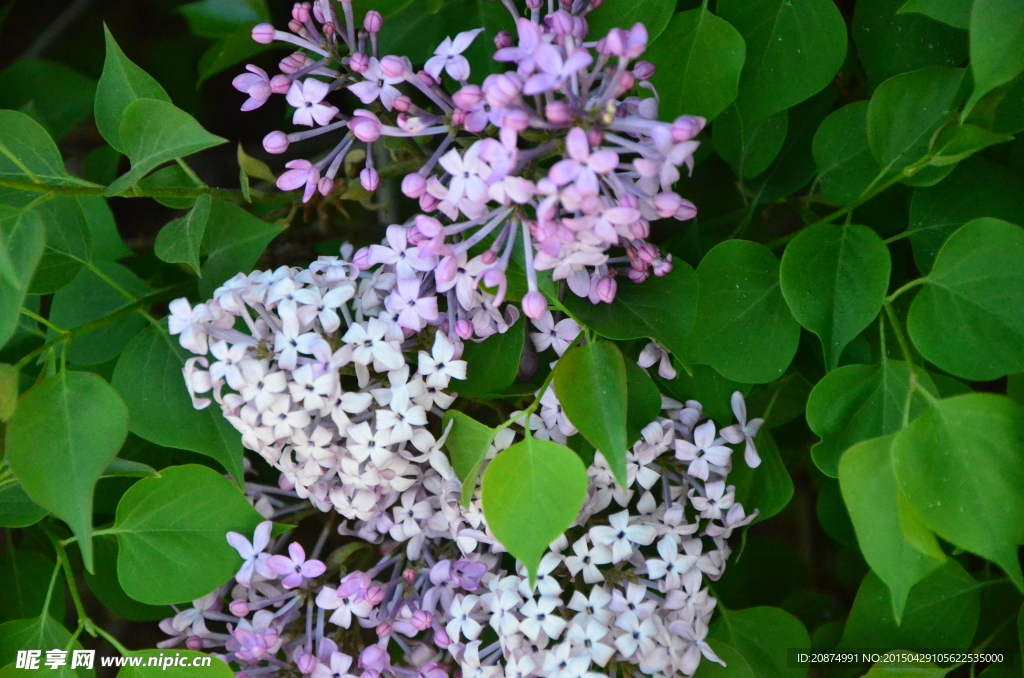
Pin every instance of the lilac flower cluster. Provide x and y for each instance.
(559, 154)
(342, 413)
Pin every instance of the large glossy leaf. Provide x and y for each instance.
(735, 665)
(22, 238)
(969, 317)
(997, 45)
(834, 279)
(955, 13)
(170, 534)
(106, 241)
(148, 377)
(890, 43)
(889, 538)
(26, 575)
(121, 83)
(590, 382)
(87, 298)
(38, 633)
(16, 508)
(467, 445)
(153, 132)
(492, 365)
(960, 466)
(860, 402)
(763, 635)
(906, 111)
(794, 49)
(105, 586)
(233, 241)
(749, 146)
(532, 492)
(68, 244)
(27, 153)
(74, 422)
(941, 613)
(846, 168)
(660, 308)
(179, 240)
(699, 59)
(743, 327)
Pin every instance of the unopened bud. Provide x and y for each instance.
(687, 210)
(468, 97)
(263, 34)
(373, 21)
(489, 257)
(275, 142)
(534, 306)
(360, 63)
(426, 79)
(464, 329)
(239, 608)
(280, 84)
(306, 664)
(644, 70)
(361, 259)
(429, 226)
(402, 104)
(414, 185)
(428, 203)
(329, 29)
(392, 66)
(325, 186)
(503, 40)
(441, 638)
(558, 113)
(374, 595)
(383, 630)
(687, 127)
(606, 288)
(300, 12)
(194, 643)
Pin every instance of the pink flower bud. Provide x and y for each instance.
(468, 97)
(306, 663)
(361, 259)
(432, 670)
(426, 79)
(275, 142)
(373, 21)
(239, 608)
(534, 4)
(295, 27)
(594, 136)
(383, 630)
(402, 104)
(637, 43)
(638, 276)
(644, 70)
(647, 252)
(428, 203)
(293, 63)
(359, 62)
(374, 595)
(365, 126)
(280, 84)
(560, 22)
(464, 329)
(459, 117)
(373, 658)
(662, 267)
(626, 82)
(446, 270)
(558, 112)
(580, 28)
(687, 127)
(325, 186)
(263, 34)
(413, 185)
(640, 229)
(421, 620)
(496, 278)
(369, 179)
(409, 575)
(503, 40)
(666, 204)
(489, 257)
(194, 643)
(687, 210)
(429, 226)
(300, 11)
(501, 90)
(392, 66)
(285, 484)
(441, 638)
(515, 119)
(613, 44)
(534, 306)
(328, 27)
(606, 288)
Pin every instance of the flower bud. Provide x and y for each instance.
(501, 90)
(426, 79)
(428, 203)
(383, 630)
(306, 663)
(296, 27)
(613, 44)
(325, 186)
(662, 267)
(605, 289)
(280, 84)
(638, 276)
(373, 21)
(644, 70)
(687, 127)
(534, 4)
(515, 119)
(374, 595)
(292, 63)
(667, 203)
(503, 40)
(580, 28)
(441, 638)
(365, 126)
(328, 28)
(369, 179)
(402, 104)
(361, 259)
(432, 670)
(392, 67)
(300, 11)
(595, 137)
(687, 210)
(534, 306)
(284, 484)
(469, 96)
(560, 22)
(558, 113)
(360, 63)
(429, 226)
(275, 142)
(459, 117)
(421, 620)
(647, 252)
(239, 608)
(373, 658)
(263, 34)
(414, 185)
(489, 257)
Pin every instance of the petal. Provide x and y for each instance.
(314, 90)
(262, 536)
(463, 41)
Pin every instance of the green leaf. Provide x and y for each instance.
(941, 613)
(216, 669)
(699, 58)
(167, 526)
(960, 466)
(660, 308)
(257, 169)
(749, 146)
(707, 387)
(905, 670)
(39, 633)
(121, 83)
(735, 665)
(153, 132)
(794, 49)
(905, 113)
(997, 45)
(68, 244)
(846, 168)
(532, 492)
(969, 317)
(8, 391)
(218, 18)
(26, 575)
(100, 164)
(60, 95)
(763, 635)
(983, 189)
(148, 377)
(861, 402)
(235, 47)
(767, 488)
(889, 43)
(590, 382)
(643, 404)
(492, 365)
(179, 241)
(834, 279)
(106, 241)
(743, 327)
(27, 153)
(962, 141)
(955, 13)
(107, 589)
(128, 468)
(872, 497)
(75, 422)
(87, 298)
(16, 509)
(654, 14)
(233, 241)
(22, 238)
(781, 401)
(467, 445)
(172, 176)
